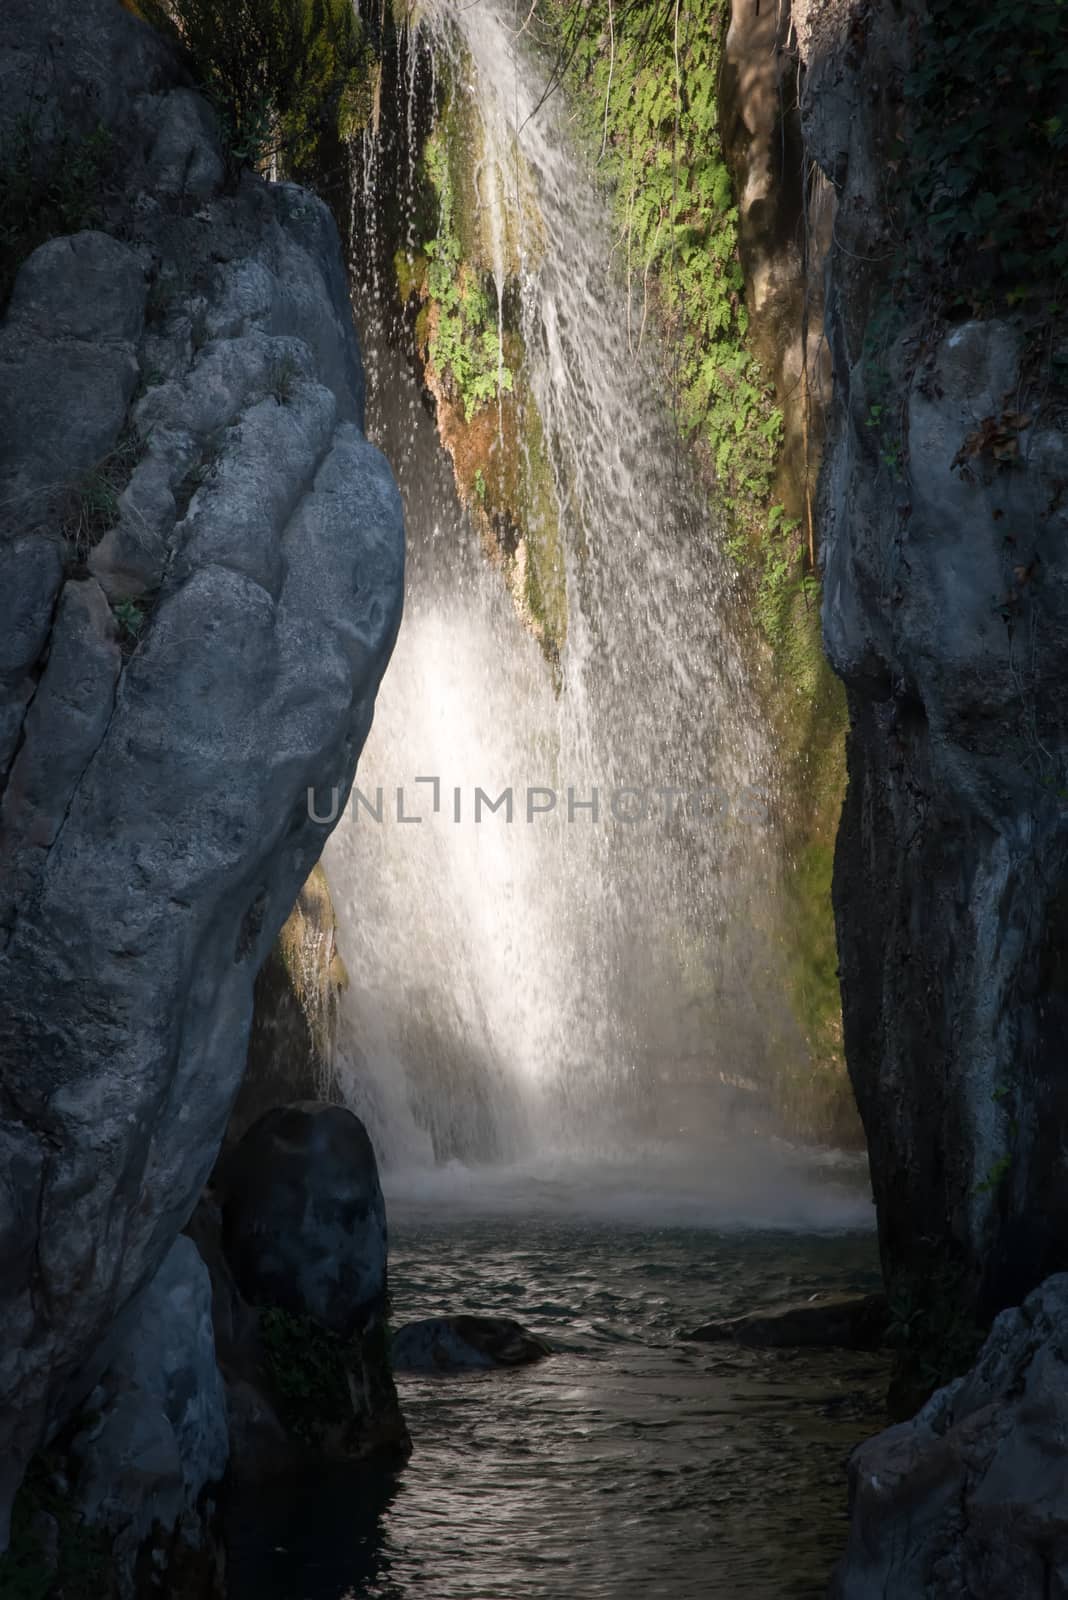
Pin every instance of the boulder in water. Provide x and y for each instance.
(464, 1343)
(304, 1221)
(835, 1322)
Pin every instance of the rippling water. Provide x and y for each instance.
(631, 1465)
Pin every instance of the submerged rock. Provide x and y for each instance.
(460, 1343)
(844, 1322)
(970, 1498)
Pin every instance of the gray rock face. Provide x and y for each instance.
(160, 1438)
(970, 1498)
(202, 563)
(465, 1343)
(304, 1221)
(946, 614)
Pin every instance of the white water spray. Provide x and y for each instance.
(553, 982)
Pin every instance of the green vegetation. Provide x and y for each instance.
(131, 619)
(473, 359)
(985, 157)
(462, 336)
(284, 75)
(333, 1393)
(283, 379)
(48, 187)
(78, 1568)
(644, 78)
(933, 1333)
(91, 507)
(308, 1367)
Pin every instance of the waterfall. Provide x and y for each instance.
(560, 979)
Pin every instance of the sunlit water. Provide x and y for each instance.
(631, 1464)
(504, 974)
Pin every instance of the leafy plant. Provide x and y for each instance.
(308, 1366)
(462, 337)
(282, 73)
(131, 619)
(82, 1568)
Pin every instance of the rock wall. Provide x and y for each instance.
(944, 523)
(969, 1497)
(202, 562)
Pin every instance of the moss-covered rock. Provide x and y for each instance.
(295, 1011)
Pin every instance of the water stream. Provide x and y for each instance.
(567, 976)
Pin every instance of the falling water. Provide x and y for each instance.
(564, 980)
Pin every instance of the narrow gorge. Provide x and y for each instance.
(531, 809)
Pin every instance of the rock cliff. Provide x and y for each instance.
(944, 521)
(202, 562)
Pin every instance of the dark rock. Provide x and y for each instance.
(460, 1343)
(304, 1221)
(200, 389)
(297, 1393)
(157, 1443)
(970, 1498)
(945, 611)
(844, 1322)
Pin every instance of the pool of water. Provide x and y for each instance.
(632, 1464)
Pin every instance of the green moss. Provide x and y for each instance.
(308, 1367)
(644, 81)
(336, 1394)
(83, 1555)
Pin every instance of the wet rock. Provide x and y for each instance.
(304, 1221)
(970, 1498)
(843, 1322)
(463, 1343)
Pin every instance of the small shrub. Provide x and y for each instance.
(91, 507)
(48, 187)
(131, 619)
(285, 375)
(282, 73)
